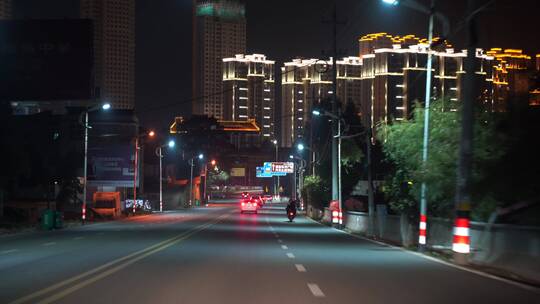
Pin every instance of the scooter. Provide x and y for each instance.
(291, 215)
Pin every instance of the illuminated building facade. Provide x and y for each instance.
(511, 77)
(306, 83)
(114, 50)
(393, 76)
(5, 9)
(249, 93)
(535, 90)
(219, 32)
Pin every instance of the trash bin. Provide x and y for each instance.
(47, 220)
(58, 220)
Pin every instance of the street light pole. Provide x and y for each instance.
(136, 164)
(340, 203)
(335, 165)
(160, 155)
(427, 100)
(85, 169)
(276, 184)
(203, 200)
(105, 106)
(191, 184)
(337, 137)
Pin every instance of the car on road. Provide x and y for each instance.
(258, 200)
(267, 197)
(245, 195)
(249, 205)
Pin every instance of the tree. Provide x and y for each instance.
(217, 178)
(316, 191)
(402, 145)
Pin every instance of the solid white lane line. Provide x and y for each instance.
(9, 251)
(482, 274)
(300, 267)
(49, 244)
(290, 255)
(284, 247)
(315, 290)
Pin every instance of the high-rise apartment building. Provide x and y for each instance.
(219, 31)
(248, 83)
(511, 76)
(393, 77)
(308, 82)
(5, 9)
(114, 50)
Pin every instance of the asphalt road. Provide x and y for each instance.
(217, 255)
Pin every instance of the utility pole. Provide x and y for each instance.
(191, 183)
(427, 102)
(335, 195)
(371, 198)
(461, 244)
(336, 115)
(135, 166)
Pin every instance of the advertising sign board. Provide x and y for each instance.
(238, 172)
(111, 166)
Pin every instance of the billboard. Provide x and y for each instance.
(238, 172)
(46, 59)
(111, 165)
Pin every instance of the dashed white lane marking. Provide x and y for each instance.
(49, 244)
(9, 251)
(300, 267)
(78, 238)
(284, 247)
(290, 255)
(280, 241)
(315, 290)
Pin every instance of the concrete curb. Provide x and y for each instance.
(523, 285)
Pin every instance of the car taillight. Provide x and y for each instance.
(243, 203)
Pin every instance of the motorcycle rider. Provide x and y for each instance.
(291, 207)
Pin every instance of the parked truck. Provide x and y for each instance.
(107, 204)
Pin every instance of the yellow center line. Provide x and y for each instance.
(132, 258)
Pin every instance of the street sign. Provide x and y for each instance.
(269, 168)
(280, 167)
(262, 173)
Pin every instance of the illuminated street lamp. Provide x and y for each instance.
(105, 107)
(192, 160)
(276, 184)
(136, 166)
(159, 154)
(336, 178)
(431, 12)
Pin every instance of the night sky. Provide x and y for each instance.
(281, 29)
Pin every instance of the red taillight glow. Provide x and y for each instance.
(243, 203)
